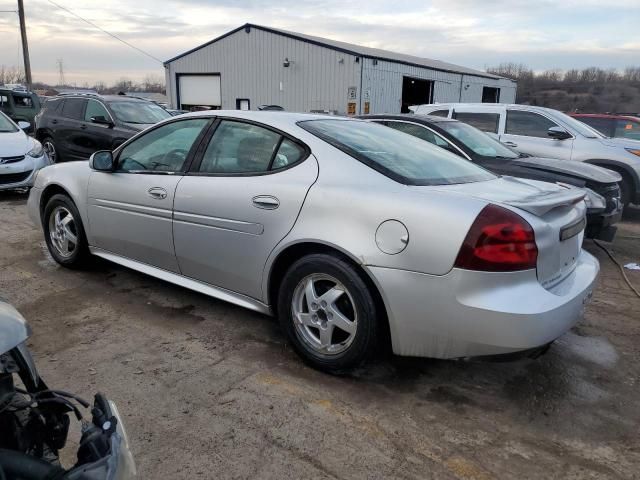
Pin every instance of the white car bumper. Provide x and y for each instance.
(466, 313)
(21, 174)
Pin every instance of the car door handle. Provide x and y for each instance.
(266, 201)
(54, 121)
(510, 144)
(83, 127)
(157, 193)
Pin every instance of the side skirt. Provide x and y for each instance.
(186, 282)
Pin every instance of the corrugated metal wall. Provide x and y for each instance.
(318, 78)
(251, 66)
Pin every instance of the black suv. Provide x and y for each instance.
(72, 127)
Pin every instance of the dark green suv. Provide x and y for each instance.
(19, 105)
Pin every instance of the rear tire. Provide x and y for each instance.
(328, 313)
(64, 232)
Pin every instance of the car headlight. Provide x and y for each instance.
(635, 151)
(594, 200)
(37, 150)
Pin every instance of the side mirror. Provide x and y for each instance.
(24, 125)
(100, 120)
(558, 133)
(102, 161)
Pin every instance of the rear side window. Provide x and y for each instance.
(52, 105)
(73, 108)
(418, 131)
(288, 154)
(238, 147)
(528, 124)
(487, 122)
(22, 101)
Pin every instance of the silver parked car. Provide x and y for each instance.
(343, 228)
(20, 155)
(544, 132)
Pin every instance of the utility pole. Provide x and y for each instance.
(25, 46)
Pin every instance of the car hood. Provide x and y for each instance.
(532, 196)
(585, 171)
(13, 327)
(620, 142)
(14, 144)
(138, 127)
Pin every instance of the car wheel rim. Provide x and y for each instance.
(63, 232)
(324, 314)
(50, 150)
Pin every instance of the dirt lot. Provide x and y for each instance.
(209, 390)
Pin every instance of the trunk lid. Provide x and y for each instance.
(585, 171)
(557, 215)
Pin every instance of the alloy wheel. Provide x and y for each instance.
(50, 149)
(63, 232)
(324, 314)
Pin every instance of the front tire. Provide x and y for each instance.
(64, 232)
(328, 313)
(51, 150)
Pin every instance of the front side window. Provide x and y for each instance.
(528, 124)
(138, 112)
(163, 149)
(401, 157)
(440, 113)
(487, 122)
(238, 147)
(95, 110)
(73, 108)
(477, 141)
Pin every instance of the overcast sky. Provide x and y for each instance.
(544, 34)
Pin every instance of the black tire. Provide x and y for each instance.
(52, 150)
(79, 257)
(364, 341)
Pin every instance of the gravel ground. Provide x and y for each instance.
(209, 390)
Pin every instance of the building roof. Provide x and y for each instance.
(353, 49)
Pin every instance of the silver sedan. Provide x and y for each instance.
(350, 232)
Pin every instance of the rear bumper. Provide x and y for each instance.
(466, 313)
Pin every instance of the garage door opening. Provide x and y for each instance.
(198, 91)
(490, 95)
(415, 92)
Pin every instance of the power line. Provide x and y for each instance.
(104, 31)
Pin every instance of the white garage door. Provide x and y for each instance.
(200, 90)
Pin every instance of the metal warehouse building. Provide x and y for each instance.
(255, 65)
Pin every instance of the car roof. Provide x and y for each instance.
(105, 98)
(272, 117)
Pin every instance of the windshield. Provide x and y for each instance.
(138, 112)
(397, 155)
(582, 128)
(6, 125)
(477, 141)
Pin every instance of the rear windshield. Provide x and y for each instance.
(6, 125)
(397, 155)
(138, 112)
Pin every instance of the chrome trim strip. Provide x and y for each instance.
(127, 207)
(190, 283)
(217, 222)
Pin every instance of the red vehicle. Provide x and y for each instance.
(614, 126)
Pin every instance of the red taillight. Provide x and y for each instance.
(498, 241)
